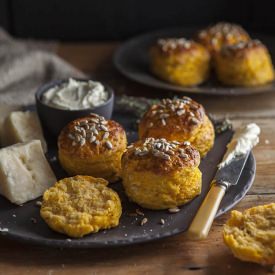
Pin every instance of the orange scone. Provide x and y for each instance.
(216, 36)
(158, 174)
(179, 61)
(251, 235)
(244, 64)
(180, 119)
(92, 146)
(81, 205)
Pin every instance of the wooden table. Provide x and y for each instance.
(173, 255)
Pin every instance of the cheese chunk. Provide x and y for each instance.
(24, 172)
(22, 127)
(5, 110)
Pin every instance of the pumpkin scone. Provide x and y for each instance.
(161, 174)
(92, 146)
(244, 64)
(180, 61)
(251, 235)
(181, 119)
(80, 205)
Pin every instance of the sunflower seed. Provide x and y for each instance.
(109, 145)
(186, 143)
(166, 157)
(104, 128)
(162, 221)
(163, 122)
(174, 210)
(184, 156)
(180, 112)
(38, 203)
(139, 212)
(143, 221)
(92, 139)
(82, 141)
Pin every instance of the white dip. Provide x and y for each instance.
(242, 142)
(76, 95)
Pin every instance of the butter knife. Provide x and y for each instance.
(228, 174)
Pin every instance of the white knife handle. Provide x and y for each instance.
(203, 220)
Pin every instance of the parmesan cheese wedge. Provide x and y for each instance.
(22, 127)
(24, 172)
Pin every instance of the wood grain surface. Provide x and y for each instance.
(174, 255)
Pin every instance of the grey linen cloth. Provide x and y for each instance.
(26, 65)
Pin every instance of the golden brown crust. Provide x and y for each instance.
(178, 115)
(220, 34)
(92, 146)
(160, 156)
(171, 46)
(180, 61)
(241, 49)
(114, 140)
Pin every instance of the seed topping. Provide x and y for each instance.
(161, 148)
(92, 130)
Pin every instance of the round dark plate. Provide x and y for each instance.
(132, 60)
(19, 219)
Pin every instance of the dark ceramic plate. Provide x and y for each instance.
(132, 60)
(19, 220)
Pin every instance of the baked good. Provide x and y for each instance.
(216, 36)
(158, 174)
(181, 119)
(251, 235)
(92, 146)
(179, 61)
(80, 205)
(5, 110)
(24, 172)
(244, 64)
(22, 127)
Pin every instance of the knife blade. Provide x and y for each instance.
(228, 174)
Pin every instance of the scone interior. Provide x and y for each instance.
(158, 174)
(80, 205)
(251, 235)
(180, 61)
(92, 146)
(180, 119)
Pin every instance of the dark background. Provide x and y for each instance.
(119, 19)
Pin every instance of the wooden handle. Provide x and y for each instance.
(203, 220)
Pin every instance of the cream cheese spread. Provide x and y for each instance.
(76, 95)
(241, 143)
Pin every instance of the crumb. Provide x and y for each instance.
(68, 240)
(14, 215)
(143, 221)
(139, 212)
(174, 210)
(4, 229)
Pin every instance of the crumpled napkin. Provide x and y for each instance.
(26, 65)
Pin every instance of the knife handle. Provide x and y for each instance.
(203, 220)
